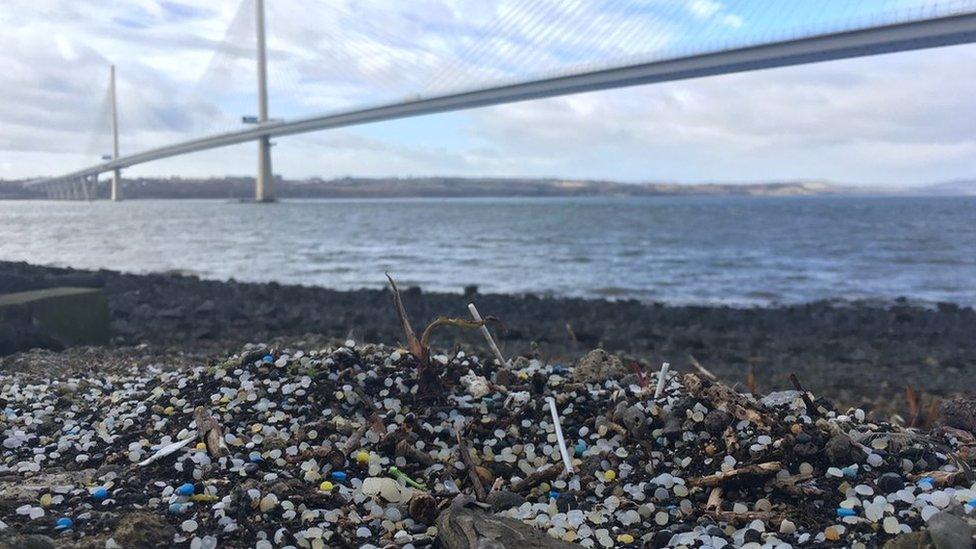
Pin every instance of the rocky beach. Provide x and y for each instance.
(227, 414)
(856, 353)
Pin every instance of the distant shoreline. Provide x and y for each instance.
(235, 188)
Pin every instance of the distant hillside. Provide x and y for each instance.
(962, 187)
(242, 187)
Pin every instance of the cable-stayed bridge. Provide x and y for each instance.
(931, 24)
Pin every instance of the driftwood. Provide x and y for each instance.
(210, 432)
(742, 518)
(794, 486)
(538, 477)
(740, 474)
(714, 502)
(461, 526)
(723, 398)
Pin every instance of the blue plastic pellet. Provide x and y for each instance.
(64, 523)
(185, 490)
(553, 494)
(842, 512)
(339, 475)
(268, 359)
(580, 448)
(99, 494)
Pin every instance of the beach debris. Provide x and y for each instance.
(340, 446)
(463, 526)
(662, 378)
(476, 386)
(167, 450)
(567, 463)
(387, 488)
(484, 331)
(210, 432)
(420, 348)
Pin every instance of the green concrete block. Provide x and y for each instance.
(72, 316)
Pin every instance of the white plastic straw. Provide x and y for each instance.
(487, 334)
(559, 435)
(661, 378)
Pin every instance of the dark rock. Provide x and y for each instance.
(672, 426)
(716, 421)
(950, 532)
(959, 413)
(634, 419)
(144, 530)
(911, 540)
(890, 482)
(504, 499)
(841, 451)
(423, 509)
(27, 542)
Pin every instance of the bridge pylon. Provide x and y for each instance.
(264, 183)
(116, 185)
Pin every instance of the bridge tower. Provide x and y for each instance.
(263, 186)
(117, 173)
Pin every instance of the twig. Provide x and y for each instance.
(479, 489)
(701, 369)
(807, 401)
(716, 479)
(484, 331)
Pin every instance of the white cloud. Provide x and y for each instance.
(732, 20)
(704, 9)
(883, 119)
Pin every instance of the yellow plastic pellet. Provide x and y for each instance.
(625, 538)
(326, 486)
(610, 475)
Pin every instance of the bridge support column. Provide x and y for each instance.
(116, 186)
(264, 186)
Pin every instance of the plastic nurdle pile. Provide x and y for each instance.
(374, 446)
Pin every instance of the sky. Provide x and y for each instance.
(186, 69)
